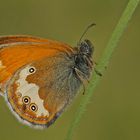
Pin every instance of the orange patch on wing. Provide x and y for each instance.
(13, 57)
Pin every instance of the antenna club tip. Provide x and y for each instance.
(92, 24)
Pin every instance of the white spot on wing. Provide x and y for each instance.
(31, 90)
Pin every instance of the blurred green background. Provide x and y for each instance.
(114, 110)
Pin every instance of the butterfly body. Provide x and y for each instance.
(40, 77)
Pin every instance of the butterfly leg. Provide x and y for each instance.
(97, 72)
(81, 78)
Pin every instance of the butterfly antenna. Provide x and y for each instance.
(85, 31)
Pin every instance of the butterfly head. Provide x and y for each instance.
(86, 48)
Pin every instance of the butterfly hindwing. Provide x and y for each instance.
(47, 84)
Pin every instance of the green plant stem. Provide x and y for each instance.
(112, 44)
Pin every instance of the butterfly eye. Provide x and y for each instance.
(32, 70)
(26, 100)
(33, 107)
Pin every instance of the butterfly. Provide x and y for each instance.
(40, 77)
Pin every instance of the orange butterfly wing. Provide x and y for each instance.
(16, 51)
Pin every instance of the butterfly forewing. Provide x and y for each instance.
(14, 53)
